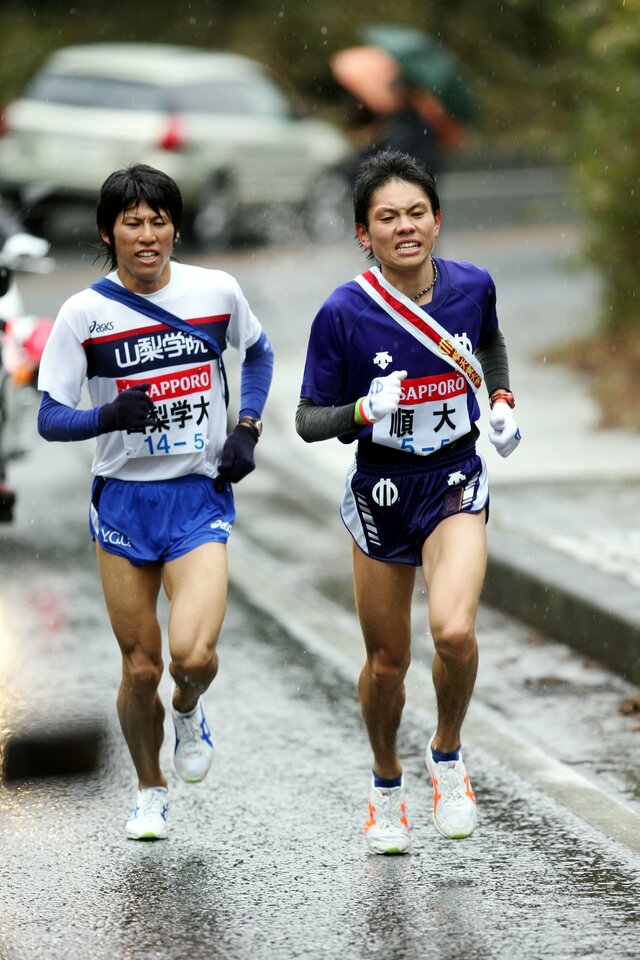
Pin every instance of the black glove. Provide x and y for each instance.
(238, 455)
(131, 410)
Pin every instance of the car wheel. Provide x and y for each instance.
(329, 211)
(36, 219)
(214, 216)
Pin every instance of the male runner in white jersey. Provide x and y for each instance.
(393, 363)
(148, 340)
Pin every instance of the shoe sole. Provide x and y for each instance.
(192, 779)
(390, 851)
(452, 836)
(404, 846)
(146, 836)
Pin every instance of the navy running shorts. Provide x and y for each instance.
(391, 509)
(156, 521)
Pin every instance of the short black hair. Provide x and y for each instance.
(132, 185)
(380, 168)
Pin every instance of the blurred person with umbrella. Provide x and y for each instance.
(406, 93)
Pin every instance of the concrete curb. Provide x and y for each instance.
(591, 611)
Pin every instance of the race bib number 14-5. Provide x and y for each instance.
(181, 400)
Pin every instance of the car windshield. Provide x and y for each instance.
(257, 97)
(89, 91)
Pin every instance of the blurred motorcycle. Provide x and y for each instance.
(22, 340)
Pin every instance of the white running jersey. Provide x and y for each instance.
(112, 347)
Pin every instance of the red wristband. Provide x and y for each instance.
(505, 395)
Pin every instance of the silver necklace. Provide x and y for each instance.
(430, 287)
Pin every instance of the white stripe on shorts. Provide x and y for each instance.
(351, 516)
(475, 495)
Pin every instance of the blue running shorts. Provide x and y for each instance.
(157, 521)
(391, 509)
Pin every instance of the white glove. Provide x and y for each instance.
(505, 434)
(383, 396)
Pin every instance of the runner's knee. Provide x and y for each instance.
(387, 671)
(141, 671)
(194, 666)
(454, 641)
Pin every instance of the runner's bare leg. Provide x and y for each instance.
(196, 585)
(383, 593)
(454, 564)
(131, 595)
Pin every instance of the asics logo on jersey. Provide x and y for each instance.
(385, 492)
(221, 525)
(95, 327)
(115, 538)
(383, 359)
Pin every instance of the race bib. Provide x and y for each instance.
(182, 399)
(433, 412)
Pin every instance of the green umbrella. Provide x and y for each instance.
(424, 64)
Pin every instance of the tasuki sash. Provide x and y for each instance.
(420, 325)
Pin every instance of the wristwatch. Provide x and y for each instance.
(253, 423)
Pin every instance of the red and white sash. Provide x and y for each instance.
(420, 325)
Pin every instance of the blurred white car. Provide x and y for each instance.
(217, 123)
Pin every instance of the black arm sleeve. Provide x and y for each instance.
(322, 423)
(492, 354)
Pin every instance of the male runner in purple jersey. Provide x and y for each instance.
(148, 341)
(417, 493)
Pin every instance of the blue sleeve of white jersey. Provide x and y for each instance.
(257, 371)
(57, 421)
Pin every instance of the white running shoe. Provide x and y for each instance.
(149, 818)
(387, 829)
(454, 803)
(194, 747)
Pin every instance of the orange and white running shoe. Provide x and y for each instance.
(387, 829)
(454, 804)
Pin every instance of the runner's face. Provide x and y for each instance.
(402, 227)
(143, 242)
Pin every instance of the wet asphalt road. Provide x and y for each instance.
(266, 858)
